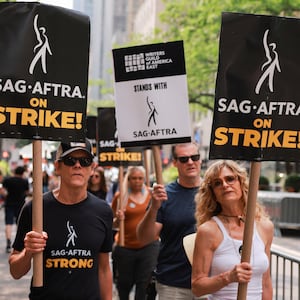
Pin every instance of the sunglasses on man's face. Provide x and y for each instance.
(185, 159)
(71, 161)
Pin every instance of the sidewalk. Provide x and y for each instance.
(10, 289)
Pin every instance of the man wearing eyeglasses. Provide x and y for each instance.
(77, 235)
(171, 216)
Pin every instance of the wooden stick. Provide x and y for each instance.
(120, 206)
(147, 167)
(37, 210)
(157, 164)
(249, 222)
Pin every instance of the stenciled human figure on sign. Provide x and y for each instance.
(272, 64)
(42, 47)
(152, 112)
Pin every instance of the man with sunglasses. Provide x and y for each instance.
(77, 237)
(171, 216)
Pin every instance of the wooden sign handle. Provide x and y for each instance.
(37, 210)
(249, 222)
(120, 205)
(157, 164)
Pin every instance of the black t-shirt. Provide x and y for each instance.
(16, 190)
(76, 235)
(100, 194)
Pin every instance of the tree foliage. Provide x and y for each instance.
(198, 23)
(292, 183)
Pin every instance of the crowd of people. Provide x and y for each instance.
(140, 229)
(15, 190)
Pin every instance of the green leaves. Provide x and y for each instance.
(198, 24)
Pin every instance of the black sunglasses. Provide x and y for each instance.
(185, 159)
(71, 161)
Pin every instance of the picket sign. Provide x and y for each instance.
(34, 84)
(149, 80)
(256, 84)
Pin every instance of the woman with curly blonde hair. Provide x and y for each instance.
(220, 214)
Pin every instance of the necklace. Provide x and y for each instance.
(240, 217)
(236, 244)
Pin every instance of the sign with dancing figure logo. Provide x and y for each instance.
(151, 95)
(109, 151)
(257, 103)
(43, 89)
(44, 72)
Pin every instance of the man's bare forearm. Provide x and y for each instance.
(146, 230)
(20, 264)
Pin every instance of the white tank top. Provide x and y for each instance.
(227, 255)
